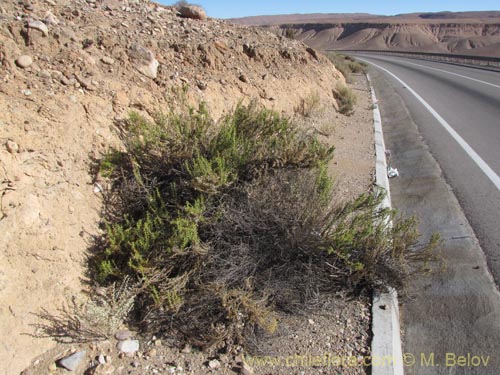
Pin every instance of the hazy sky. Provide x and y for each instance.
(241, 8)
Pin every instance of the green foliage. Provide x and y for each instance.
(215, 220)
(346, 99)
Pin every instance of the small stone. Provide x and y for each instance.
(128, 346)
(246, 370)
(123, 334)
(12, 147)
(101, 359)
(104, 369)
(157, 342)
(310, 321)
(214, 364)
(40, 26)
(108, 60)
(135, 364)
(243, 78)
(65, 81)
(26, 92)
(50, 18)
(187, 349)
(151, 353)
(72, 361)
(24, 61)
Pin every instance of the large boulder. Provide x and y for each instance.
(193, 11)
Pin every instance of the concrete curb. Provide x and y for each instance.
(387, 356)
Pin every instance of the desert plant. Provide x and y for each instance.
(290, 33)
(308, 105)
(96, 318)
(223, 224)
(346, 99)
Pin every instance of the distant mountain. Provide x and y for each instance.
(471, 33)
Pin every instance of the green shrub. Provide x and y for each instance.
(346, 99)
(222, 224)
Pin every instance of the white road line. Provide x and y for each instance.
(455, 74)
(468, 149)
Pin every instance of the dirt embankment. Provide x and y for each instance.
(68, 70)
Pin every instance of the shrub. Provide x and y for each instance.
(224, 224)
(308, 105)
(347, 65)
(290, 33)
(346, 99)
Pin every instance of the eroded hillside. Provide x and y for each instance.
(472, 33)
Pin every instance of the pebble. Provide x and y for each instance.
(246, 370)
(158, 342)
(128, 346)
(243, 78)
(104, 369)
(214, 364)
(101, 359)
(108, 60)
(72, 361)
(135, 364)
(40, 26)
(187, 349)
(24, 61)
(50, 18)
(12, 147)
(123, 335)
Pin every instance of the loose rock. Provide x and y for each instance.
(123, 335)
(246, 370)
(144, 60)
(193, 11)
(12, 146)
(214, 364)
(50, 18)
(24, 61)
(108, 60)
(128, 346)
(72, 361)
(40, 26)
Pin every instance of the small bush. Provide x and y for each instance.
(290, 33)
(308, 105)
(347, 65)
(224, 224)
(346, 99)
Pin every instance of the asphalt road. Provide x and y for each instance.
(442, 125)
(468, 99)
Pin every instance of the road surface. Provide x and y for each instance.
(442, 125)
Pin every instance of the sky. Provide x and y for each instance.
(242, 8)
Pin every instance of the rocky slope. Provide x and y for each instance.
(69, 69)
(471, 33)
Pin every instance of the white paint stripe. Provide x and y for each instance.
(455, 74)
(468, 149)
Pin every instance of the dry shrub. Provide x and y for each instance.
(225, 224)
